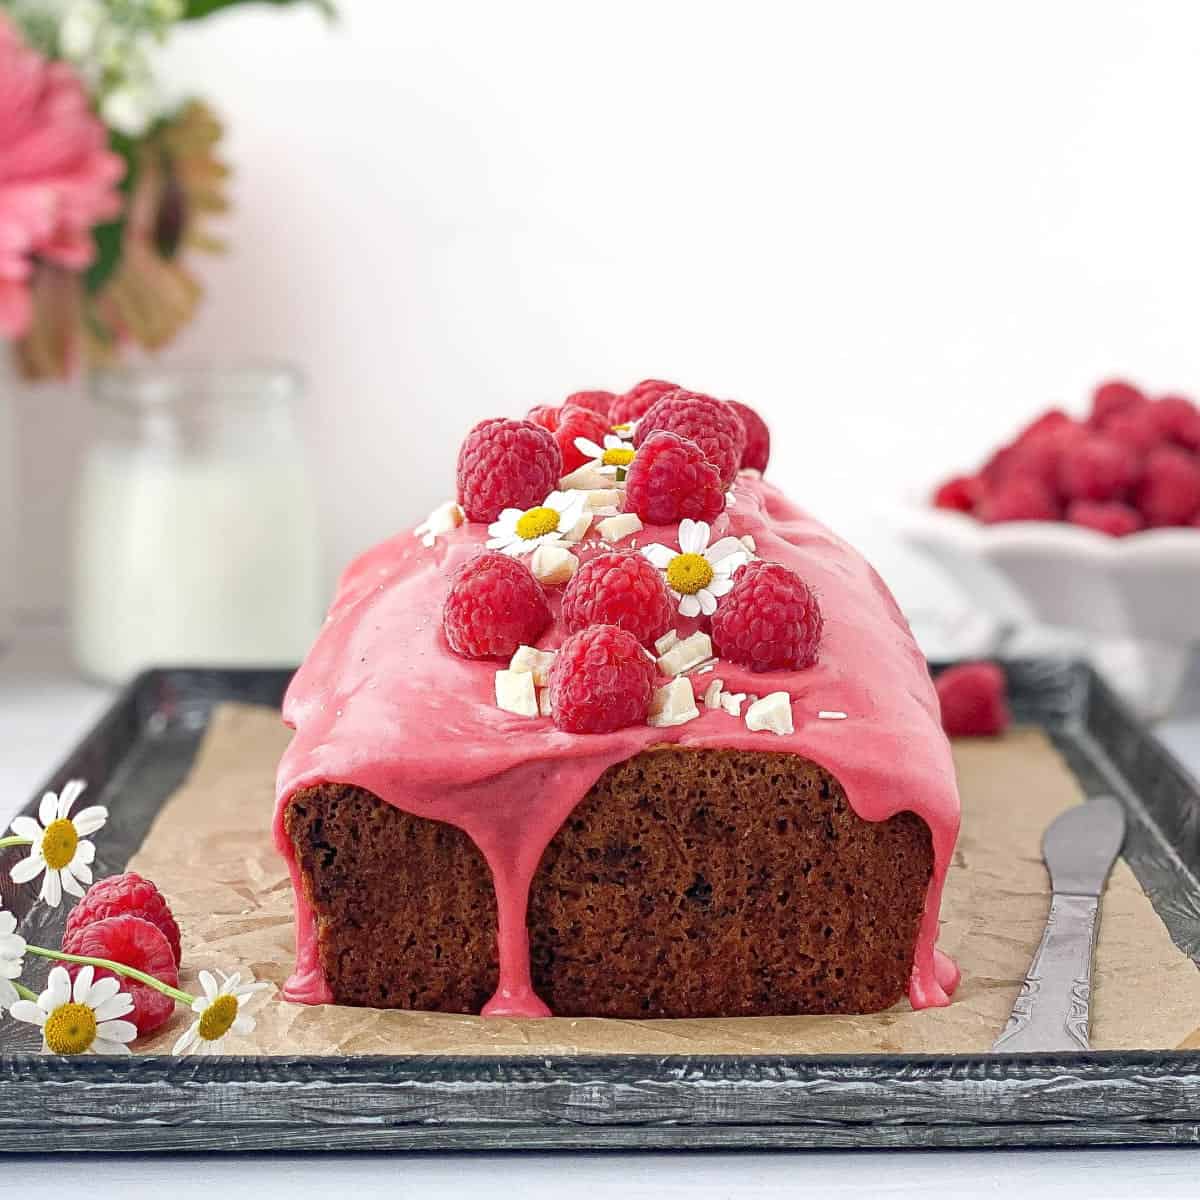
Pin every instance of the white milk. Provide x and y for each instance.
(194, 550)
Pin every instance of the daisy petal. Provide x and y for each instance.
(659, 555)
(209, 984)
(88, 820)
(48, 809)
(114, 1007)
(708, 602)
(83, 984)
(70, 883)
(26, 827)
(68, 796)
(27, 1011)
(720, 585)
(9, 995)
(117, 1031)
(242, 1026)
(52, 888)
(103, 989)
(188, 1039)
(28, 868)
(693, 536)
(104, 1046)
(8, 922)
(723, 549)
(689, 606)
(58, 987)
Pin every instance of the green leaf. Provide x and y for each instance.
(193, 10)
(108, 237)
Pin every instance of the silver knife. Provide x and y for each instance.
(1053, 1010)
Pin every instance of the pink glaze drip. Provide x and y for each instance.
(381, 703)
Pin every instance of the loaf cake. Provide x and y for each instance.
(620, 732)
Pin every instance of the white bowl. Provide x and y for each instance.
(1137, 598)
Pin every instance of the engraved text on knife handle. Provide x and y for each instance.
(1052, 1011)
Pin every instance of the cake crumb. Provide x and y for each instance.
(552, 564)
(712, 697)
(773, 712)
(613, 529)
(516, 693)
(673, 704)
(667, 640)
(685, 654)
(536, 662)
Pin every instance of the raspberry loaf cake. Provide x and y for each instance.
(619, 733)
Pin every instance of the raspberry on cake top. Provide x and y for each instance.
(557, 619)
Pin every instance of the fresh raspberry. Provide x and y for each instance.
(1169, 493)
(619, 589)
(1113, 397)
(961, 493)
(711, 424)
(133, 942)
(578, 423)
(597, 402)
(494, 605)
(1135, 427)
(601, 680)
(769, 621)
(633, 404)
(128, 893)
(506, 464)
(1018, 499)
(974, 700)
(758, 436)
(1097, 468)
(1178, 419)
(1111, 517)
(670, 479)
(1052, 421)
(545, 415)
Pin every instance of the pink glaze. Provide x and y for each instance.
(382, 703)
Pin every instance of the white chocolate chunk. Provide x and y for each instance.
(603, 498)
(667, 640)
(613, 529)
(576, 532)
(536, 662)
(685, 654)
(444, 518)
(732, 702)
(712, 697)
(748, 541)
(773, 712)
(515, 693)
(552, 563)
(545, 708)
(673, 704)
(830, 715)
(585, 479)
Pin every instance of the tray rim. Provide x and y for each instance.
(618, 1101)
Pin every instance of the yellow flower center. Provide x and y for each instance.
(70, 1029)
(618, 456)
(536, 522)
(59, 843)
(217, 1018)
(688, 573)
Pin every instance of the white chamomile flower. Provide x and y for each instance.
(613, 458)
(522, 531)
(59, 844)
(218, 1013)
(698, 574)
(83, 1020)
(12, 958)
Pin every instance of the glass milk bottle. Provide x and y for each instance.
(196, 537)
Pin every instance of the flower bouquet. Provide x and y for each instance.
(106, 183)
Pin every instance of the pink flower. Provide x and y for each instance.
(57, 174)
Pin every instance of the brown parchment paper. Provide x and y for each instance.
(210, 851)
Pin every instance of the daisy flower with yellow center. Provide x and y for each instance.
(83, 1019)
(58, 845)
(698, 574)
(218, 1013)
(518, 531)
(613, 458)
(12, 959)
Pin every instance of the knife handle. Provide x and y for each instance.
(1052, 1011)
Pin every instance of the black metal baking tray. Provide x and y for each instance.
(142, 750)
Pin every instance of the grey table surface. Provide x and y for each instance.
(44, 707)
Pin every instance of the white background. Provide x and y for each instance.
(895, 228)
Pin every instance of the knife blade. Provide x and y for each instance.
(1053, 1011)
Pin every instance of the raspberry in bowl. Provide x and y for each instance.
(1086, 524)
